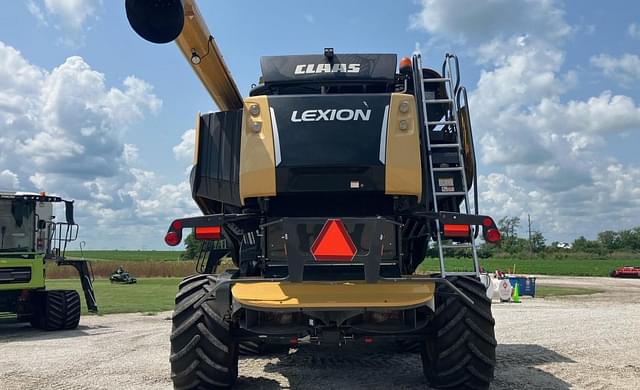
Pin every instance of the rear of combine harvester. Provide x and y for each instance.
(325, 187)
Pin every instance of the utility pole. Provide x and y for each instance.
(530, 242)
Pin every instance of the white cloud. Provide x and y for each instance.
(62, 131)
(634, 30)
(625, 69)
(481, 21)
(541, 152)
(72, 13)
(184, 150)
(8, 180)
(35, 10)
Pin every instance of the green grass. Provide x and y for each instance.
(149, 295)
(564, 267)
(559, 291)
(125, 255)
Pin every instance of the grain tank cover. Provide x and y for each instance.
(338, 67)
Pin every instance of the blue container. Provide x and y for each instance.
(526, 285)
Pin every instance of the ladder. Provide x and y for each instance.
(450, 121)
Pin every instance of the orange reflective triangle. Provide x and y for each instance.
(333, 243)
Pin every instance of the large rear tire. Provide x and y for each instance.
(204, 354)
(460, 351)
(56, 309)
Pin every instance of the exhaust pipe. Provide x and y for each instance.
(163, 21)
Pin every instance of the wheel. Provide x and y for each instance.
(204, 354)
(460, 351)
(56, 309)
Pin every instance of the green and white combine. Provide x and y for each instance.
(30, 239)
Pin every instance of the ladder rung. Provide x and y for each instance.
(444, 146)
(438, 101)
(447, 169)
(452, 193)
(436, 80)
(441, 123)
(460, 246)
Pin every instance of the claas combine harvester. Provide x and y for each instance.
(30, 238)
(326, 186)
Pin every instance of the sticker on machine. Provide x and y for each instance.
(446, 184)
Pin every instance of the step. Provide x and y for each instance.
(438, 101)
(452, 193)
(444, 146)
(441, 123)
(436, 80)
(460, 246)
(447, 169)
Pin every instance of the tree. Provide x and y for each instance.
(192, 247)
(509, 227)
(538, 242)
(581, 244)
(610, 240)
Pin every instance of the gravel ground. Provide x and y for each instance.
(581, 342)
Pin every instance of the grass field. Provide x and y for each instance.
(559, 291)
(152, 295)
(117, 255)
(564, 267)
(142, 269)
(168, 265)
(149, 295)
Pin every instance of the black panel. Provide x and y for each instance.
(215, 179)
(341, 67)
(329, 143)
(329, 130)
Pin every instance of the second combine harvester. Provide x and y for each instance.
(325, 186)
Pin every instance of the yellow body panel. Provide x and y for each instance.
(328, 295)
(403, 173)
(257, 154)
(212, 70)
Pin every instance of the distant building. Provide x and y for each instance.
(564, 245)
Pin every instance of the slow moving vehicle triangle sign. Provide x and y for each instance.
(333, 243)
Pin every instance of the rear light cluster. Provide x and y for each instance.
(491, 234)
(174, 235)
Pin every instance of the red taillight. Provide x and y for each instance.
(456, 230)
(487, 222)
(368, 340)
(492, 236)
(172, 238)
(333, 243)
(176, 225)
(208, 232)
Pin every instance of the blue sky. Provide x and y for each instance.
(103, 116)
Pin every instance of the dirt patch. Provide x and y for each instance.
(583, 342)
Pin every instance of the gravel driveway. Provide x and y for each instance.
(585, 342)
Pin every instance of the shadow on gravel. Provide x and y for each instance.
(379, 367)
(12, 330)
(518, 367)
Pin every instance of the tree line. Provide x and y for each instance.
(607, 242)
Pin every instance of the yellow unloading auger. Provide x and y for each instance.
(164, 21)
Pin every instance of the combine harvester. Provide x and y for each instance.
(30, 238)
(325, 186)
